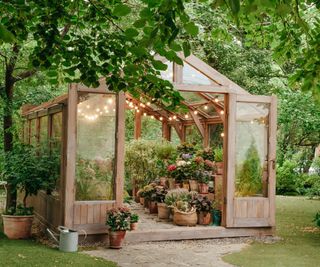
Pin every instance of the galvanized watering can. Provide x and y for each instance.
(68, 240)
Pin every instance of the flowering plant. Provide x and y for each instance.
(118, 219)
(202, 203)
(159, 194)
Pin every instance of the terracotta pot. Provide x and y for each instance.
(163, 181)
(142, 201)
(219, 167)
(193, 185)
(186, 185)
(163, 211)
(17, 227)
(146, 203)
(171, 183)
(133, 226)
(204, 218)
(203, 188)
(185, 218)
(116, 239)
(177, 185)
(153, 207)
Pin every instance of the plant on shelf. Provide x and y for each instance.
(149, 198)
(186, 148)
(159, 197)
(184, 213)
(118, 220)
(218, 158)
(134, 219)
(203, 207)
(24, 169)
(203, 178)
(206, 154)
(249, 177)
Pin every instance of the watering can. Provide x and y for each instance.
(68, 240)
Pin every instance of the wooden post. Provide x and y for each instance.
(120, 148)
(166, 131)
(69, 190)
(137, 125)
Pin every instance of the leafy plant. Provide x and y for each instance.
(249, 178)
(20, 210)
(184, 206)
(118, 219)
(317, 219)
(218, 154)
(134, 218)
(159, 194)
(202, 203)
(176, 194)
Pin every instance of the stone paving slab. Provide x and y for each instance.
(190, 253)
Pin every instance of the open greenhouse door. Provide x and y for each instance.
(250, 196)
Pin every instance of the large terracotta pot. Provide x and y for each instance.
(116, 239)
(146, 203)
(204, 218)
(133, 226)
(153, 207)
(163, 211)
(193, 185)
(219, 167)
(185, 218)
(17, 227)
(142, 201)
(203, 188)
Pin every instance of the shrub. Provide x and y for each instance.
(287, 178)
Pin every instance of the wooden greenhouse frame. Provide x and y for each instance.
(242, 216)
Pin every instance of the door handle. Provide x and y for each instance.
(273, 162)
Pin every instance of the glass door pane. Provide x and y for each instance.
(252, 128)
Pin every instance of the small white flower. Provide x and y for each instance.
(181, 163)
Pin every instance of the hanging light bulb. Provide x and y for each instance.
(114, 110)
(148, 103)
(195, 112)
(138, 110)
(205, 107)
(221, 112)
(186, 116)
(101, 112)
(98, 109)
(222, 134)
(88, 106)
(170, 119)
(251, 122)
(110, 100)
(174, 117)
(152, 117)
(216, 99)
(79, 110)
(136, 107)
(127, 101)
(144, 114)
(107, 111)
(161, 118)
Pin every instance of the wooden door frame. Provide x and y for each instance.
(231, 152)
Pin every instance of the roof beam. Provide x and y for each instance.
(198, 123)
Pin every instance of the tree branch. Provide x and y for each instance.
(24, 75)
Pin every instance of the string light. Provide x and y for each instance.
(101, 112)
(110, 101)
(148, 103)
(144, 114)
(186, 116)
(114, 110)
(205, 107)
(79, 110)
(170, 119)
(98, 109)
(222, 134)
(216, 99)
(251, 122)
(161, 118)
(138, 110)
(88, 106)
(107, 111)
(221, 112)
(195, 112)
(152, 117)
(174, 117)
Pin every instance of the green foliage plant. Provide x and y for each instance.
(134, 218)
(218, 154)
(317, 219)
(202, 203)
(250, 175)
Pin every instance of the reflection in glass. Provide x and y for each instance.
(193, 76)
(96, 126)
(251, 149)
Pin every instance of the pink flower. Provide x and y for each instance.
(171, 167)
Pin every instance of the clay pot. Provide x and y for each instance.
(171, 183)
(203, 188)
(142, 201)
(219, 167)
(153, 207)
(163, 211)
(163, 181)
(193, 185)
(116, 239)
(186, 185)
(133, 226)
(204, 218)
(146, 203)
(17, 227)
(185, 218)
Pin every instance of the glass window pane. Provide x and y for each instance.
(151, 128)
(193, 135)
(43, 130)
(215, 138)
(193, 76)
(251, 149)
(56, 129)
(96, 128)
(174, 136)
(168, 73)
(33, 133)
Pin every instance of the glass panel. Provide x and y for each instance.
(193, 97)
(252, 149)
(33, 133)
(96, 128)
(168, 73)
(215, 138)
(209, 109)
(193, 135)
(193, 76)
(56, 130)
(174, 137)
(151, 128)
(43, 131)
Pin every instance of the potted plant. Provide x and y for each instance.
(171, 174)
(174, 195)
(150, 197)
(23, 168)
(218, 158)
(203, 181)
(216, 213)
(184, 214)
(203, 207)
(140, 193)
(134, 218)
(163, 209)
(118, 220)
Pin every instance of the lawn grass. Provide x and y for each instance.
(301, 240)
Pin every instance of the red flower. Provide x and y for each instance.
(171, 167)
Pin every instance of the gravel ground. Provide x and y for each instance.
(187, 253)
